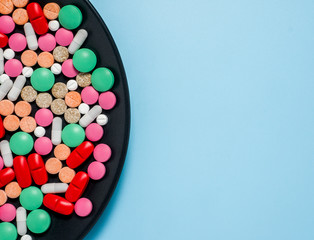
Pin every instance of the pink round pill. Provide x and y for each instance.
(13, 68)
(96, 170)
(17, 42)
(68, 69)
(94, 132)
(43, 145)
(107, 100)
(1, 163)
(44, 117)
(47, 42)
(7, 24)
(102, 153)
(83, 207)
(89, 95)
(7, 212)
(64, 37)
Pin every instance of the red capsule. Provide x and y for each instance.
(37, 168)
(2, 131)
(58, 204)
(22, 172)
(3, 40)
(37, 18)
(77, 187)
(80, 154)
(6, 176)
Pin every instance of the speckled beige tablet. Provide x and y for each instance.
(29, 94)
(66, 175)
(72, 115)
(59, 90)
(22, 109)
(61, 54)
(51, 11)
(11, 123)
(20, 16)
(62, 152)
(13, 190)
(58, 106)
(84, 79)
(45, 60)
(20, 3)
(6, 107)
(29, 58)
(44, 100)
(53, 165)
(6, 6)
(3, 197)
(28, 124)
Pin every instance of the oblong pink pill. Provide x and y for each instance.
(17, 42)
(96, 170)
(94, 132)
(47, 42)
(7, 24)
(83, 207)
(43, 145)
(107, 100)
(7, 212)
(44, 117)
(64, 37)
(13, 68)
(68, 69)
(89, 95)
(102, 152)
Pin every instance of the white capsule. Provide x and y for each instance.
(21, 221)
(83, 108)
(1, 61)
(54, 25)
(39, 132)
(89, 117)
(56, 131)
(26, 237)
(8, 54)
(72, 85)
(56, 68)
(54, 188)
(30, 36)
(5, 88)
(3, 78)
(17, 88)
(102, 119)
(78, 41)
(27, 72)
(6, 153)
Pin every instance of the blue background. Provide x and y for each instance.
(222, 140)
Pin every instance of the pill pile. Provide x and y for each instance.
(54, 101)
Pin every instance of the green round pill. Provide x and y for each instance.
(84, 60)
(42, 79)
(70, 17)
(21, 143)
(8, 231)
(38, 221)
(102, 79)
(73, 135)
(31, 198)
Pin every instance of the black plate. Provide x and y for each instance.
(116, 131)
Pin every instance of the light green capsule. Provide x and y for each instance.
(31, 198)
(73, 135)
(84, 60)
(21, 143)
(42, 79)
(102, 79)
(70, 17)
(38, 221)
(8, 231)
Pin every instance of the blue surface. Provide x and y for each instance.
(222, 141)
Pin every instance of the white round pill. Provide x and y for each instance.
(54, 25)
(102, 119)
(83, 108)
(3, 78)
(39, 132)
(56, 68)
(8, 54)
(27, 72)
(72, 85)
(26, 237)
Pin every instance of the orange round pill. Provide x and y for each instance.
(11, 123)
(62, 152)
(51, 11)
(3, 197)
(53, 166)
(6, 107)
(29, 58)
(13, 190)
(6, 6)
(23, 109)
(20, 3)
(66, 175)
(20, 16)
(73, 99)
(45, 60)
(28, 124)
